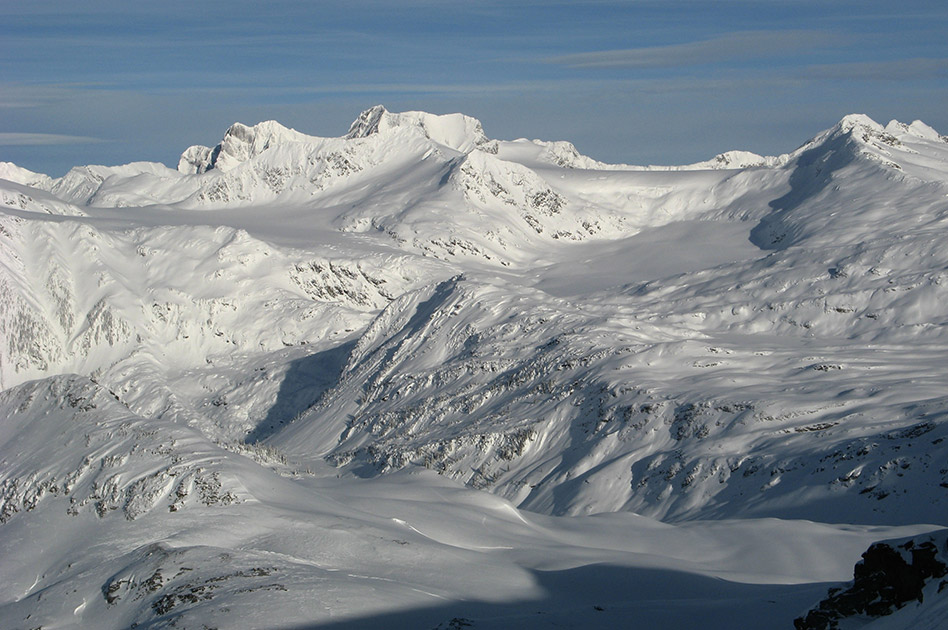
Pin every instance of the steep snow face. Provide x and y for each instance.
(573, 409)
(826, 203)
(438, 315)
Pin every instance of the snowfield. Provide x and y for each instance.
(415, 377)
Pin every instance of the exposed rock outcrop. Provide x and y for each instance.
(890, 576)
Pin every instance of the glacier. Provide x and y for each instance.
(413, 376)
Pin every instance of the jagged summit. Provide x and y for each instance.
(917, 129)
(367, 123)
(912, 149)
(851, 126)
(464, 134)
(240, 143)
(864, 128)
(456, 131)
(243, 142)
(253, 163)
(867, 132)
(851, 121)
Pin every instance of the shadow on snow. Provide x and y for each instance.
(812, 175)
(612, 597)
(306, 380)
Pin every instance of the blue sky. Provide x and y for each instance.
(639, 82)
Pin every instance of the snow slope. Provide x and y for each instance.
(421, 376)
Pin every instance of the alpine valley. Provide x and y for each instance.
(415, 377)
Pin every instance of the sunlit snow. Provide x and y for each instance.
(414, 377)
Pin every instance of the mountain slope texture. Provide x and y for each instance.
(416, 377)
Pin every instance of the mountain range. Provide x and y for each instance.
(416, 377)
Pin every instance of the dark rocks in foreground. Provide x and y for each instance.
(890, 575)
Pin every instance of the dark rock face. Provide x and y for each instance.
(890, 575)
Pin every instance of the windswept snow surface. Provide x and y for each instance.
(416, 377)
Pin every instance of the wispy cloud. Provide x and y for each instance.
(21, 139)
(895, 70)
(20, 96)
(565, 85)
(236, 92)
(735, 45)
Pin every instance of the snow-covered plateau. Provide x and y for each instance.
(415, 377)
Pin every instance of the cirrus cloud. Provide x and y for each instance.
(23, 139)
(891, 70)
(727, 47)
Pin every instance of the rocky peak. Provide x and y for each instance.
(455, 131)
(240, 143)
(367, 123)
(854, 121)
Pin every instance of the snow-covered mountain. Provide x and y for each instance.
(422, 376)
